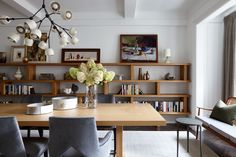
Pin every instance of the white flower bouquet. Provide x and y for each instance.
(91, 73)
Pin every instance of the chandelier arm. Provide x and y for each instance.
(36, 13)
(15, 18)
(64, 29)
(49, 33)
(61, 27)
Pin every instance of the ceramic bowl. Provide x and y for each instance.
(39, 108)
(64, 103)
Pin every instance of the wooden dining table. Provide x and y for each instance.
(106, 114)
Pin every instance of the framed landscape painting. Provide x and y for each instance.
(76, 55)
(138, 48)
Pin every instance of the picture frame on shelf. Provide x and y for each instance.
(3, 57)
(77, 55)
(139, 48)
(17, 53)
(34, 53)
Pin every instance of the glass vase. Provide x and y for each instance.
(91, 96)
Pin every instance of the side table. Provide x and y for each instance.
(188, 122)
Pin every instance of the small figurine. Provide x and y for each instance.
(74, 88)
(169, 77)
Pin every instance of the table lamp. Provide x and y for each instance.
(167, 55)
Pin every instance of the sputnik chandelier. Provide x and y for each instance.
(32, 27)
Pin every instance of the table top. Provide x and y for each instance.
(106, 114)
(188, 121)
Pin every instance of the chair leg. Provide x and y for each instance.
(40, 132)
(46, 153)
(28, 132)
(197, 132)
(114, 132)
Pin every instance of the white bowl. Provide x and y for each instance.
(39, 108)
(64, 103)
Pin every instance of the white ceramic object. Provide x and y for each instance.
(39, 108)
(18, 74)
(64, 103)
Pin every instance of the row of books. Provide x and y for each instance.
(169, 106)
(13, 89)
(130, 89)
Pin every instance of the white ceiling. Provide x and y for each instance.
(123, 8)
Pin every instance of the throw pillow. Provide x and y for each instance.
(223, 112)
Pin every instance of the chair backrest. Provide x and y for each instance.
(73, 137)
(105, 98)
(11, 143)
(231, 100)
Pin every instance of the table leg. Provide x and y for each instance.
(177, 140)
(119, 141)
(200, 141)
(187, 139)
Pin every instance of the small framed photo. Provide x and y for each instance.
(17, 53)
(3, 57)
(75, 55)
(138, 48)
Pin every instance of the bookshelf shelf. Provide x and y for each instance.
(182, 70)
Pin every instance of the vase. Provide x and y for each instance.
(91, 96)
(18, 74)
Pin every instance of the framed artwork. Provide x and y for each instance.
(75, 55)
(3, 57)
(17, 53)
(138, 48)
(34, 53)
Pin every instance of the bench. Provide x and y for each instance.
(219, 136)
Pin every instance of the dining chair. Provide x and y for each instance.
(12, 144)
(70, 137)
(102, 98)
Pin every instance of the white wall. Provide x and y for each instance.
(107, 39)
(210, 62)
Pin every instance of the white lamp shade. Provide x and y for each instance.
(20, 29)
(73, 31)
(42, 45)
(66, 15)
(49, 52)
(14, 37)
(167, 52)
(28, 42)
(74, 40)
(36, 34)
(64, 35)
(64, 41)
(4, 20)
(55, 6)
(30, 24)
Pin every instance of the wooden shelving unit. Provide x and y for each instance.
(31, 71)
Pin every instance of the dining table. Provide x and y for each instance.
(119, 115)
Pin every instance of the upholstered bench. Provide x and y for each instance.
(219, 136)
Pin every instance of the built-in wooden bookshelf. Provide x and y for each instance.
(31, 72)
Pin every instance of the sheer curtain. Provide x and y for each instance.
(229, 56)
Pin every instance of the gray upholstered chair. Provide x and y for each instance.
(12, 144)
(108, 98)
(76, 137)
